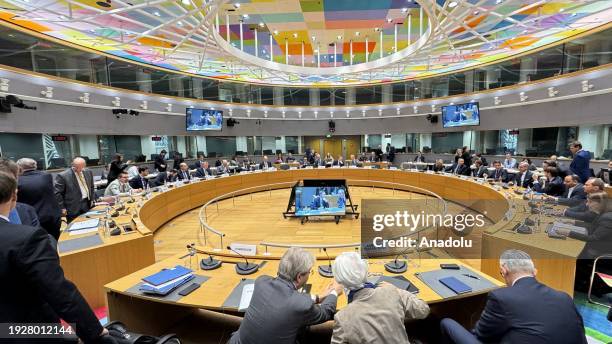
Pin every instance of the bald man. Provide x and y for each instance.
(74, 190)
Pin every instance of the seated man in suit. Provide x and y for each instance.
(499, 174)
(459, 168)
(606, 174)
(479, 170)
(119, 186)
(304, 162)
(439, 166)
(526, 311)
(369, 306)
(551, 184)
(339, 161)
(353, 161)
(289, 158)
(373, 157)
(509, 162)
(580, 211)
(524, 178)
(574, 192)
(581, 161)
(265, 164)
(279, 312)
(203, 171)
(224, 168)
(419, 157)
(183, 173)
(200, 161)
(140, 182)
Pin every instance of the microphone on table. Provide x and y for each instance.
(245, 268)
(210, 263)
(397, 266)
(326, 270)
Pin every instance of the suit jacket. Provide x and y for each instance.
(38, 292)
(114, 170)
(27, 215)
(604, 174)
(338, 163)
(139, 183)
(265, 164)
(577, 197)
(419, 158)
(580, 165)
(580, 212)
(375, 311)
(464, 170)
(553, 187)
(499, 175)
(479, 173)
(529, 312)
(159, 161)
(278, 312)
(68, 192)
(36, 189)
(527, 181)
(183, 175)
(115, 188)
(598, 237)
(202, 172)
(198, 164)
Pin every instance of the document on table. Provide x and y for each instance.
(92, 223)
(245, 298)
(83, 231)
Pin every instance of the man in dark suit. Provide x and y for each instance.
(21, 214)
(606, 174)
(552, 184)
(526, 311)
(580, 211)
(74, 190)
(580, 164)
(183, 173)
(574, 192)
(200, 161)
(479, 170)
(419, 157)
(203, 171)
(38, 292)
(160, 162)
(459, 168)
(524, 178)
(265, 163)
(140, 182)
(279, 312)
(36, 189)
(499, 174)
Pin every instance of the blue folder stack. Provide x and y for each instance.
(165, 281)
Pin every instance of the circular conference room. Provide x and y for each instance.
(306, 171)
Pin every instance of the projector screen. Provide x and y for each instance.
(315, 201)
(203, 119)
(460, 115)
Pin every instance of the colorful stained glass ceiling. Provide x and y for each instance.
(311, 42)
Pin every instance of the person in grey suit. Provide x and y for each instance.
(279, 312)
(74, 190)
(374, 314)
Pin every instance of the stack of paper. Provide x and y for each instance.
(245, 298)
(83, 227)
(165, 281)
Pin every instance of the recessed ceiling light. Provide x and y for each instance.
(245, 16)
(404, 10)
(106, 3)
(389, 20)
(339, 38)
(186, 2)
(157, 14)
(276, 32)
(452, 4)
(179, 23)
(476, 13)
(498, 1)
(314, 38)
(261, 24)
(295, 35)
(357, 33)
(236, 5)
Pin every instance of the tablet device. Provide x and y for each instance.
(455, 285)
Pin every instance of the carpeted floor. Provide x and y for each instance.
(596, 324)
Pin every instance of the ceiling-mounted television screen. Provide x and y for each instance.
(460, 115)
(203, 119)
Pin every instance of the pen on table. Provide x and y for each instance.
(471, 276)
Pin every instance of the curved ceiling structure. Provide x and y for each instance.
(311, 42)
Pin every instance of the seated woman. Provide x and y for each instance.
(279, 158)
(373, 314)
(329, 159)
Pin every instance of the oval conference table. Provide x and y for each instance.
(107, 271)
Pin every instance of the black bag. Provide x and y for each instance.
(118, 331)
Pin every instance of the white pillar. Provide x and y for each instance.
(524, 140)
(367, 50)
(335, 53)
(314, 97)
(409, 29)
(424, 140)
(278, 96)
(256, 46)
(227, 28)
(241, 143)
(302, 53)
(241, 37)
(420, 22)
(280, 144)
(591, 138)
(286, 51)
(318, 55)
(395, 37)
(351, 50)
(382, 52)
(271, 49)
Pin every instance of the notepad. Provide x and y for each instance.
(245, 298)
(455, 285)
(92, 223)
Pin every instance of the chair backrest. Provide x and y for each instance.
(267, 151)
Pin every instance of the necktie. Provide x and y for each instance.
(142, 180)
(83, 183)
(457, 170)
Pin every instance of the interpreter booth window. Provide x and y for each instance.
(127, 145)
(551, 141)
(220, 146)
(16, 48)
(373, 141)
(125, 75)
(292, 144)
(446, 142)
(16, 146)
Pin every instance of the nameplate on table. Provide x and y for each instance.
(245, 249)
(293, 168)
(352, 166)
(430, 172)
(308, 167)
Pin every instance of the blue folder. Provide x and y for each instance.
(455, 285)
(167, 275)
(163, 291)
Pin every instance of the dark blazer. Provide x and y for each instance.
(419, 158)
(114, 169)
(529, 312)
(605, 175)
(38, 292)
(437, 168)
(464, 170)
(578, 196)
(27, 215)
(479, 173)
(580, 165)
(139, 182)
(202, 172)
(527, 181)
(162, 178)
(183, 175)
(338, 163)
(264, 164)
(467, 158)
(68, 192)
(278, 312)
(198, 164)
(580, 212)
(499, 175)
(553, 187)
(159, 161)
(36, 189)
(598, 238)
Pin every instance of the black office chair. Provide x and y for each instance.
(257, 152)
(212, 154)
(284, 167)
(93, 162)
(154, 156)
(140, 158)
(278, 151)
(267, 151)
(607, 154)
(57, 163)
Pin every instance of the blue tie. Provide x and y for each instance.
(14, 217)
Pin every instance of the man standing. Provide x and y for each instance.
(38, 292)
(279, 312)
(527, 311)
(580, 164)
(160, 161)
(74, 190)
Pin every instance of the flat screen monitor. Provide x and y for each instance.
(203, 119)
(460, 115)
(320, 201)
